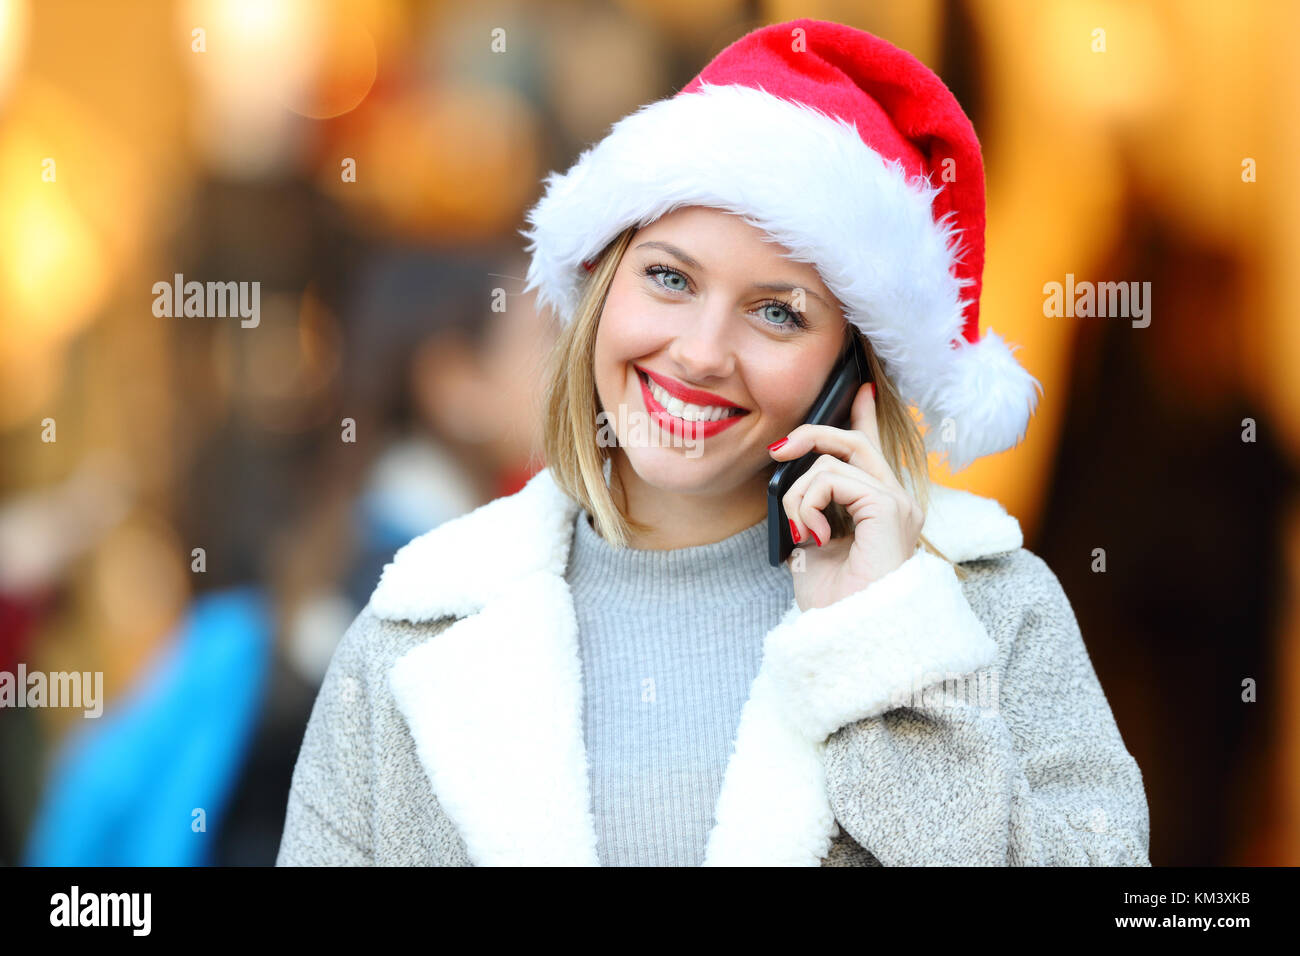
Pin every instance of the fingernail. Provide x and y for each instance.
(873, 390)
(777, 444)
(794, 532)
(815, 538)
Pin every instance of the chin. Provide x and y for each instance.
(670, 469)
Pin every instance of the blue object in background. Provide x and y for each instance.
(413, 487)
(124, 789)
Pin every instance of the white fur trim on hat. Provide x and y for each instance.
(809, 181)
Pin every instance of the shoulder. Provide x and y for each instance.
(372, 643)
(468, 561)
(1016, 594)
(1012, 570)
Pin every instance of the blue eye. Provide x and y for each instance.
(660, 273)
(795, 318)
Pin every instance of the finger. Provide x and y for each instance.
(848, 445)
(795, 498)
(862, 416)
(829, 462)
(790, 500)
(854, 492)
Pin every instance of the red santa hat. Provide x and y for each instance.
(857, 158)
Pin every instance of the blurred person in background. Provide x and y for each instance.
(293, 523)
(448, 355)
(442, 368)
(151, 782)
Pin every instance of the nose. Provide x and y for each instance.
(704, 350)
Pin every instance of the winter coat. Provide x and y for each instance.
(921, 721)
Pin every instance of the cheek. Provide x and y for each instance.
(627, 326)
(616, 346)
(785, 391)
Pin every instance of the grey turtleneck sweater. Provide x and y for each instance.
(670, 643)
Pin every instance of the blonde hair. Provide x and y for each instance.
(577, 461)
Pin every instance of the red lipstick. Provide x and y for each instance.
(692, 395)
(680, 426)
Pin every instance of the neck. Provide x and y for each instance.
(686, 520)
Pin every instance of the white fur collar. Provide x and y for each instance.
(461, 565)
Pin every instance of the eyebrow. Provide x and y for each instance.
(765, 286)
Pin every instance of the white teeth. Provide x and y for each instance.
(684, 410)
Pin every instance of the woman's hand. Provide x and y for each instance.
(887, 521)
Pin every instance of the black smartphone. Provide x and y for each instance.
(833, 407)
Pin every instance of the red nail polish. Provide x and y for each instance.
(777, 444)
(794, 532)
(873, 390)
(815, 538)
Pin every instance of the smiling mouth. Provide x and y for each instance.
(686, 411)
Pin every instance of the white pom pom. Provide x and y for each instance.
(980, 404)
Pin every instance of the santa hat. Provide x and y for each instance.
(857, 158)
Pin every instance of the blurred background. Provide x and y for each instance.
(198, 507)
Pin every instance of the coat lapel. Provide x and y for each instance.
(494, 701)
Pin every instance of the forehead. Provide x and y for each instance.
(684, 220)
(705, 232)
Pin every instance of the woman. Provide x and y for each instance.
(602, 669)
